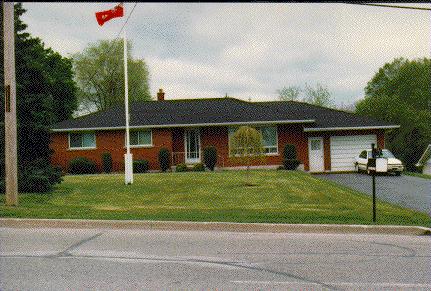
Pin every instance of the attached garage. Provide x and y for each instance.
(344, 149)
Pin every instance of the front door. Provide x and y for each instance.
(315, 154)
(192, 146)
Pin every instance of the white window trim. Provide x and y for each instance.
(200, 145)
(276, 138)
(150, 145)
(81, 148)
(265, 154)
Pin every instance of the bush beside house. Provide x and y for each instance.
(210, 157)
(164, 159)
(81, 165)
(199, 168)
(107, 162)
(181, 168)
(140, 166)
(290, 161)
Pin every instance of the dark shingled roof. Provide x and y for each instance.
(216, 111)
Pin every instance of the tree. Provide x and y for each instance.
(400, 93)
(100, 75)
(349, 107)
(319, 95)
(45, 94)
(290, 93)
(246, 146)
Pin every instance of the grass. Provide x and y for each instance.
(277, 197)
(420, 175)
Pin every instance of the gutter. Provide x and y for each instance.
(272, 122)
(311, 129)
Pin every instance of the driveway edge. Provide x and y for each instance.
(214, 226)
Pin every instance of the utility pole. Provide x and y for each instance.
(11, 159)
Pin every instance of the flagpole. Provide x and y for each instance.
(128, 158)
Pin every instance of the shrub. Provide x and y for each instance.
(210, 157)
(82, 165)
(199, 167)
(181, 168)
(289, 152)
(290, 162)
(34, 183)
(140, 166)
(107, 162)
(2, 187)
(54, 174)
(164, 159)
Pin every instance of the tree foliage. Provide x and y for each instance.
(100, 75)
(45, 94)
(290, 93)
(400, 93)
(318, 95)
(246, 146)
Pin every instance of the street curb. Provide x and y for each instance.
(214, 226)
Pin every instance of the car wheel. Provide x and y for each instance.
(397, 173)
(357, 168)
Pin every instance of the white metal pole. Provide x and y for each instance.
(11, 157)
(128, 159)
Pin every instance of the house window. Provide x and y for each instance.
(86, 140)
(269, 135)
(270, 143)
(141, 138)
(315, 144)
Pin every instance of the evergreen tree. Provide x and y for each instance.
(45, 94)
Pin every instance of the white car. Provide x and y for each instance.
(394, 165)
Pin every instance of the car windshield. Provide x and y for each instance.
(385, 154)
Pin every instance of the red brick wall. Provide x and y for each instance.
(173, 140)
(218, 137)
(112, 141)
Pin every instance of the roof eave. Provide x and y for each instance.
(187, 125)
(311, 129)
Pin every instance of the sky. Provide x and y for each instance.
(246, 50)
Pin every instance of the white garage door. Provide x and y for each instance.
(344, 149)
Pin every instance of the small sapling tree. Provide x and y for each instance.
(246, 147)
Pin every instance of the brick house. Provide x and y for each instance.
(325, 139)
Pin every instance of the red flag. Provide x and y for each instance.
(104, 16)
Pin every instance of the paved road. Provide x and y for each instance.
(406, 191)
(97, 259)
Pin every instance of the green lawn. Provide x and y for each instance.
(420, 175)
(277, 197)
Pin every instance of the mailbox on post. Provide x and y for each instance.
(377, 163)
(381, 165)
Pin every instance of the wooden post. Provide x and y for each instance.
(11, 159)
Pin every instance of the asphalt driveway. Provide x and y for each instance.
(407, 191)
